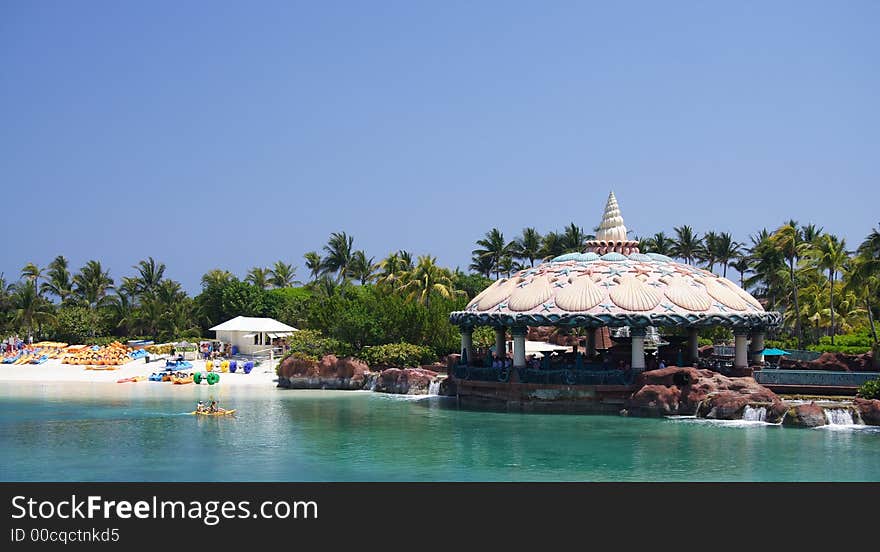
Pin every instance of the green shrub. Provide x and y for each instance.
(484, 336)
(870, 389)
(849, 349)
(398, 355)
(313, 344)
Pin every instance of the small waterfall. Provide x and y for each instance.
(434, 387)
(758, 414)
(839, 416)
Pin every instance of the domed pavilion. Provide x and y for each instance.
(613, 284)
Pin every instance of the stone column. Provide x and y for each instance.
(591, 342)
(693, 345)
(740, 357)
(501, 342)
(467, 345)
(519, 347)
(757, 347)
(638, 349)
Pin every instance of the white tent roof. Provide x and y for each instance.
(248, 324)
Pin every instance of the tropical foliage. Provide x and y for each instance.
(351, 303)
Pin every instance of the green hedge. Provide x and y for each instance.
(870, 389)
(314, 344)
(398, 355)
(852, 350)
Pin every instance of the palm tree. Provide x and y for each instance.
(32, 273)
(574, 238)
(392, 268)
(527, 246)
(361, 268)
(870, 247)
(428, 279)
(552, 245)
(58, 280)
(216, 277)
(258, 276)
(169, 292)
(863, 280)
(829, 253)
(726, 250)
(810, 232)
(122, 308)
(787, 241)
(92, 284)
(30, 309)
(768, 267)
(339, 254)
(150, 273)
(313, 264)
(283, 275)
(660, 243)
(493, 247)
(709, 249)
(741, 264)
(482, 265)
(687, 244)
(507, 265)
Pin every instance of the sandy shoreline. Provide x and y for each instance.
(53, 371)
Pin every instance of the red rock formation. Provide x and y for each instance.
(687, 391)
(328, 373)
(869, 410)
(405, 381)
(805, 415)
(833, 362)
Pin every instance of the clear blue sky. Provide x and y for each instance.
(231, 134)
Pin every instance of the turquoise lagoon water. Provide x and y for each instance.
(141, 432)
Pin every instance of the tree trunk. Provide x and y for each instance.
(832, 305)
(797, 310)
(871, 319)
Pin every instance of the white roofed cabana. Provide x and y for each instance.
(251, 335)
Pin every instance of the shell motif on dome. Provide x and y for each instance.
(583, 294)
(746, 296)
(632, 294)
(659, 257)
(722, 293)
(686, 296)
(531, 295)
(494, 294)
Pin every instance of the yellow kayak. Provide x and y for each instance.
(223, 413)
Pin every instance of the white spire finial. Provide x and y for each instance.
(611, 229)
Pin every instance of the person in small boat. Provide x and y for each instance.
(214, 409)
(200, 407)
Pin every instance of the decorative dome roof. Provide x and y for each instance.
(615, 289)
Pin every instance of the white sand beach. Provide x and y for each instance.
(53, 371)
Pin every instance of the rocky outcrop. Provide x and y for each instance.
(805, 415)
(405, 381)
(869, 410)
(688, 391)
(297, 372)
(833, 362)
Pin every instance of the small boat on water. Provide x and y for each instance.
(219, 413)
(133, 379)
(180, 381)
